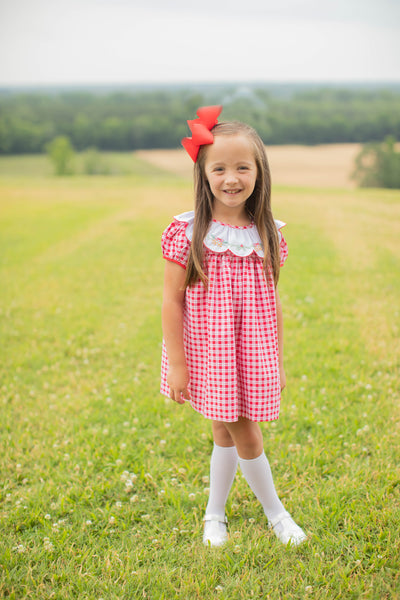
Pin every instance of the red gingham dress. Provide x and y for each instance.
(230, 328)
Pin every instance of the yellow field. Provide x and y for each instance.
(318, 166)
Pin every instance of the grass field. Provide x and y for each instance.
(105, 481)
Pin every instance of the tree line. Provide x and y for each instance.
(126, 120)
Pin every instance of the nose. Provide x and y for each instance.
(230, 178)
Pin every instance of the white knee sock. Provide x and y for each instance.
(223, 467)
(257, 473)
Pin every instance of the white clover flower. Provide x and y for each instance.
(48, 546)
(118, 462)
(134, 498)
(89, 522)
(118, 504)
(162, 442)
(192, 497)
(47, 517)
(111, 520)
(146, 517)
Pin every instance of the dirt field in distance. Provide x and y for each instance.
(327, 165)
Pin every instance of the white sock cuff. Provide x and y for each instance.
(253, 461)
(225, 448)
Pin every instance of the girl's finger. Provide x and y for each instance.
(186, 394)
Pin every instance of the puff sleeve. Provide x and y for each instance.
(283, 248)
(174, 243)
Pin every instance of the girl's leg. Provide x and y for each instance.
(257, 472)
(254, 464)
(224, 459)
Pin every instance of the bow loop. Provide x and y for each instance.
(201, 135)
(209, 115)
(201, 130)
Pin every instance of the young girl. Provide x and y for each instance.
(222, 317)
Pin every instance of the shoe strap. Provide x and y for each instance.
(280, 517)
(215, 518)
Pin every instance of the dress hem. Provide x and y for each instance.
(225, 421)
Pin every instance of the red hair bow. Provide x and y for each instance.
(201, 130)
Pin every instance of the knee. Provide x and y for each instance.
(221, 435)
(249, 441)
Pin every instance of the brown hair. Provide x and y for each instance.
(258, 207)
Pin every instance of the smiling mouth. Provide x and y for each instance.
(232, 191)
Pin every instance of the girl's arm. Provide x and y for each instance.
(279, 319)
(172, 323)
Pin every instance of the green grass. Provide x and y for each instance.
(39, 165)
(105, 481)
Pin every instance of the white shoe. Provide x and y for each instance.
(215, 533)
(286, 530)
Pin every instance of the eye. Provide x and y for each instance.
(243, 168)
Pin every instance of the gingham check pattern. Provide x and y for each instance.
(230, 334)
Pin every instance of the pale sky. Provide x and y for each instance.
(175, 41)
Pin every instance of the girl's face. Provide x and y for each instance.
(231, 171)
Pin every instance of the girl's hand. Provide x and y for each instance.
(282, 377)
(178, 381)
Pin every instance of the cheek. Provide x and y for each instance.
(212, 182)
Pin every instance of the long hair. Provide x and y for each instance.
(258, 207)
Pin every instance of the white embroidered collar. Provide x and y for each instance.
(241, 241)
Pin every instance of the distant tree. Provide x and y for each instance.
(378, 165)
(61, 154)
